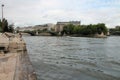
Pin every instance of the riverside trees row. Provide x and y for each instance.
(91, 29)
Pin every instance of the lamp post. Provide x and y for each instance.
(2, 15)
(2, 10)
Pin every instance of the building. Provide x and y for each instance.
(21, 29)
(43, 27)
(117, 27)
(60, 25)
(35, 28)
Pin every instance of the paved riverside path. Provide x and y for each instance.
(7, 67)
(14, 60)
(16, 67)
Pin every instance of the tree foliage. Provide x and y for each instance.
(11, 28)
(1, 26)
(85, 29)
(115, 31)
(68, 29)
(4, 27)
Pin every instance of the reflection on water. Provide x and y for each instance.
(91, 54)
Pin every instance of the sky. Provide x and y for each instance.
(35, 12)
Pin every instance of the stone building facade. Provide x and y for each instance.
(60, 25)
(36, 27)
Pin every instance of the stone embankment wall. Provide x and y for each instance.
(14, 60)
(24, 69)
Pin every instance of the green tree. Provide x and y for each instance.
(77, 30)
(68, 29)
(71, 28)
(101, 28)
(1, 26)
(11, 28)
(85, 29)
(5, 25)
(65, 29)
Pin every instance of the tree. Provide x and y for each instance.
(68, 29)
(4, 27)
(1, 26)
(11, 28)
(71, 28)
(65, 29)
(77, 30)
(85, 29)
(101, 28)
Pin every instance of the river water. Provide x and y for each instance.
(75, 58)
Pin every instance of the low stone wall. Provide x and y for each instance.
(14, 60)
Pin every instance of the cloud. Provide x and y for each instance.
(32, 12)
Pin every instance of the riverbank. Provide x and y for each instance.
(15, 66)
(73, 35)
(91, 36)
(14, 60)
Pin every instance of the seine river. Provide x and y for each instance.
(75, 58)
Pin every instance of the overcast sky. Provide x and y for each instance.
(34, 12)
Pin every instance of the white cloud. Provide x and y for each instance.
(31, 12)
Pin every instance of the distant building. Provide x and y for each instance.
(60, 25)
(117, 27)
(41, 27)
(51, 26)
(36, 27)
(21, 29)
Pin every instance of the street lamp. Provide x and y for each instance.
(2, 15)
(2, 10)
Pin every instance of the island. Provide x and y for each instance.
(70, 28)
